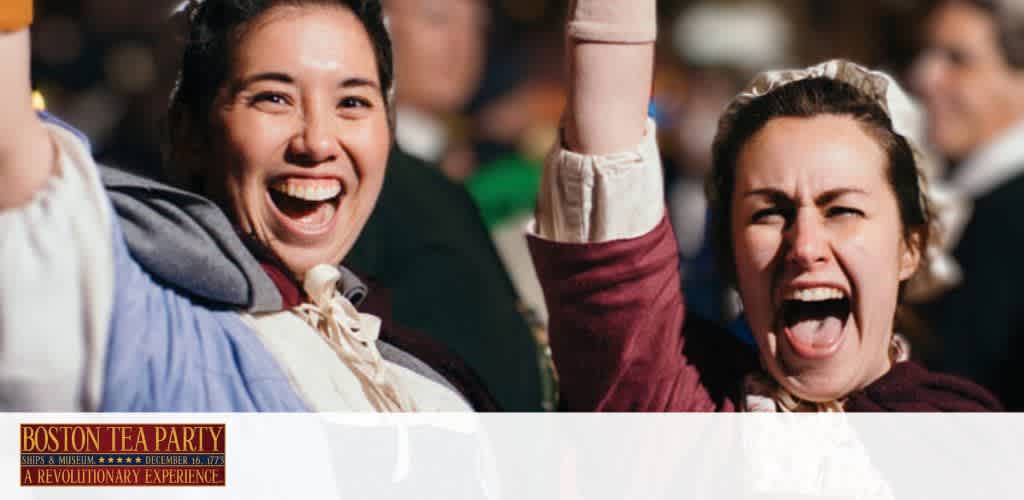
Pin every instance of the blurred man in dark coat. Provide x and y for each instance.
(970, 76)
(426, 241)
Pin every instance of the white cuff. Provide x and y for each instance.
(614, 21)
(597, 198)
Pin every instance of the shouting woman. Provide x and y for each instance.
(821, 215)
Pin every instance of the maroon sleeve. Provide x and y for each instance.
(909, 387)
(617, 314)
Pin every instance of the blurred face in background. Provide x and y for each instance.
(971, 91)
(707, 95)
(439, 51)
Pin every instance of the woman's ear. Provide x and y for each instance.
(910, 255)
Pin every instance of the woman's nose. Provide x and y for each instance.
(807, 241)
(317, 141)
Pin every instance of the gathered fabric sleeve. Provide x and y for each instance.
(607, 260)
(56, 288)
(599, 198)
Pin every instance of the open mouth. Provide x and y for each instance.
(307, 205)
(814, 320)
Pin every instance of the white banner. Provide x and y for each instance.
(579, 456)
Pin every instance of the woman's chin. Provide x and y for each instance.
(828, 380)
(301, 258)
(816, 366)
(323, 237)
(818, 388)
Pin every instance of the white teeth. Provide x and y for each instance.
(817, 294)
(308, 193)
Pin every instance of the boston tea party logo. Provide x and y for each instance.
(122, 455)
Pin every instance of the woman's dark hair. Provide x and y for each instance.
(214, 29)
(805, 99)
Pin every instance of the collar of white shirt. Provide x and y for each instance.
(420, 134)
(992, 165)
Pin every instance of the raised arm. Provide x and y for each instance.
(602, 246)
(26, 153)
(606, 133)
(56, 252)
(611, 59)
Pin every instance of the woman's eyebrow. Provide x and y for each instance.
(770, 193)
(777, 195)
(358, 82)
(272, 76)
(834, 194)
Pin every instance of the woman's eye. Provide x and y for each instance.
(841, 211)
(769, 216)
(270, 99)
(355, 102)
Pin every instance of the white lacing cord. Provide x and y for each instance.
(355, 342)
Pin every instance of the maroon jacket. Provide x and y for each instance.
(622, 342)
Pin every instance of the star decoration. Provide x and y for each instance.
(138, 460)
(102, 460)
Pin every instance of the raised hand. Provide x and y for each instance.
(611, 61)
(26, 154)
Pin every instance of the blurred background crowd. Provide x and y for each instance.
(479, 95)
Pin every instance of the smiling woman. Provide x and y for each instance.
(294, 137)
(223, 293)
